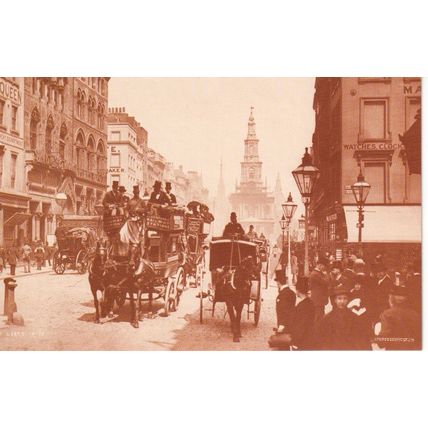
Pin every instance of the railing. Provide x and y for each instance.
(97, 177)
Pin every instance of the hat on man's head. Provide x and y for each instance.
(168, 185)
(115, 184)
(157, 184)
(302, 284)
(122, 189)
(340, 290)
(233, 214)
(359, 262)
(136, 187)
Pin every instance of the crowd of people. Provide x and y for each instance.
(350, 305)
(33, 254)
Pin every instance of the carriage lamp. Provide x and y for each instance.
(306, 175)
(289, 208)
(361, 190)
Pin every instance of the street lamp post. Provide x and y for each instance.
(289, 208)
(306, 174)
(360, 189)
(283, 224)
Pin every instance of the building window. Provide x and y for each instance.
(13, 161)
(62, 136)
(373, 125)
(14, 117)
(35, 119)
(49, 128)
(1, 111)
(375, 175)
(115, 135)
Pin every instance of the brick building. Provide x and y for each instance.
(358, 125)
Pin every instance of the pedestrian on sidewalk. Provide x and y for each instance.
(39, 254)
(26, 257)
(12, 258)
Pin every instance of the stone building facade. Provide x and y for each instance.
(13, 191)
(127, 151)
(66, 148)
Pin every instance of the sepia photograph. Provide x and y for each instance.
(210, 214)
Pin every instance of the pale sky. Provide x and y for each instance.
(196, 121)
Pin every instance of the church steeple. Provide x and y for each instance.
(251, 168)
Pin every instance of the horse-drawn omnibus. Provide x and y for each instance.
(235, 273)
(140, 261)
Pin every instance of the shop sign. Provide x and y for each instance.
(116, 170)
(10, 91)
(331, 217)
(412, 90)
(372, 146)
(12, 141)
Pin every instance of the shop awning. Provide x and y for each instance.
(385, 223)
(16, 219)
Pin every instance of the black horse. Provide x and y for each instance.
(236, 292)
(97, 275)
(118, 279)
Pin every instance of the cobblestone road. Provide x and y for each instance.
(59, 313)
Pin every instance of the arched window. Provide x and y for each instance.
(80, 151)
(82, 101)
(34, 127)
(100, 116)
(62, 135)
(101, 157)
(251, 173)
(48, 138)
(91, 154)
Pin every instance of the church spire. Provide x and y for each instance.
(251, 135)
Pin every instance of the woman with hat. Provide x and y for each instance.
(340, 329)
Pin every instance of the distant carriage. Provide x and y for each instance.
(263, 255)
(76, 238)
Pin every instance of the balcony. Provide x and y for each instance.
(97, 177)
(51, 160)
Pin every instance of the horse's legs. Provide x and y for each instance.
(96, 304)
(231, 312)
(134, 317)
(239, 305)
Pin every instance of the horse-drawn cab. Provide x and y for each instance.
(76, 238)
(235, 276)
